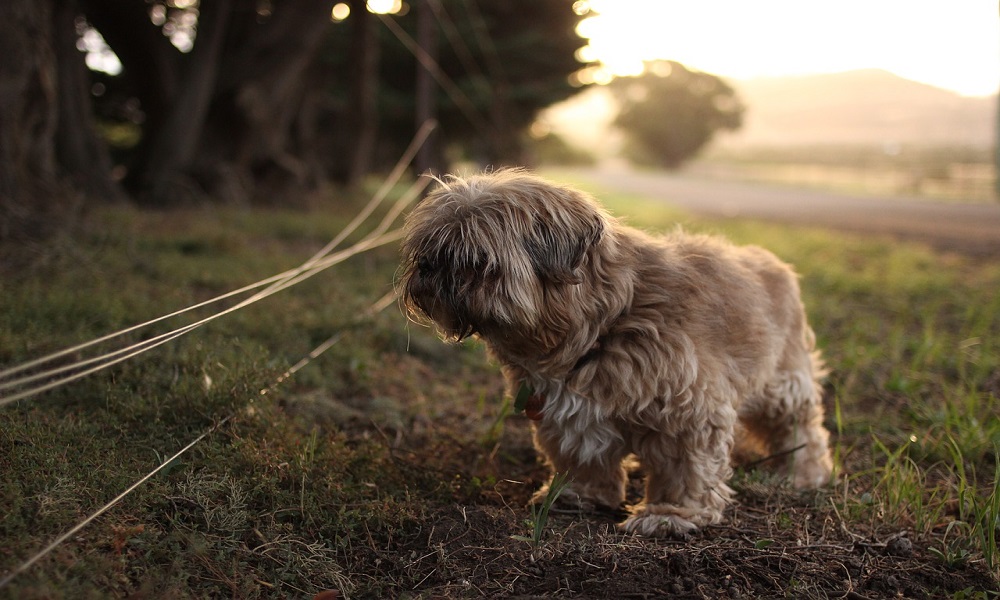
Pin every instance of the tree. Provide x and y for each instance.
(507, 61)
(669, 112)
(28, 114)
(260, 99)
(363, 77)
(49, 149)
(230, 118)
(528, 67)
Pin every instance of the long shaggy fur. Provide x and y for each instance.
(668, 348)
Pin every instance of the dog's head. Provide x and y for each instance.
(481, 252)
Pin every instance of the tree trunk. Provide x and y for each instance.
(150, 64)
(260, 130)
(238, 124)
(28, 117)
(427, 159)
(231, 114)
(173, 147)
(82, 154)
(363, 109)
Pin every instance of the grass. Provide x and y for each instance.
(939, 173)
(392, 466)
(540, 512)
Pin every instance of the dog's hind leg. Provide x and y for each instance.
(788, 419)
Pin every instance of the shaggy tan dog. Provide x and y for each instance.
(666, 348)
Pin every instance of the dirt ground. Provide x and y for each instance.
(774, 543)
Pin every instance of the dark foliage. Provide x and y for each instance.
(507, 60)
(269, 102)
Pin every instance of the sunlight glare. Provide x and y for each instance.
(586, 54)
(182, 40)
(581, 7)
(340, 12)
(739, 39)
(99, 57)
(539, 130)
(385, 7)
(158, 14)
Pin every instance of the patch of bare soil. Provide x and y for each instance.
(775, 543)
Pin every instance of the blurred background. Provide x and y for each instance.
(167, 102)
(885, 98)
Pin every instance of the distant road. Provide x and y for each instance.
(967, 228)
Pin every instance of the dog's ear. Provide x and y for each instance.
(559, 243)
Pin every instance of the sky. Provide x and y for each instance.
(953, 44)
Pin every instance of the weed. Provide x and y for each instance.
(495, 431)
(979, 512)
(965, 426)
(905, 492)
(952, 552)
(540, 512)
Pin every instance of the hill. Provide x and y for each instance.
(861, 107)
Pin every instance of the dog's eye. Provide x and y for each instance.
(424, 267)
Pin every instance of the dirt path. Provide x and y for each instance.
(967, 228)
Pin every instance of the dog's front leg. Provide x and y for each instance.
(590, 453)
(686, 474)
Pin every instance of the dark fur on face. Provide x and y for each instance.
(477, 255)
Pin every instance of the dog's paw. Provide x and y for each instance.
(659, 525)
(669, 520)
(810, 476)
